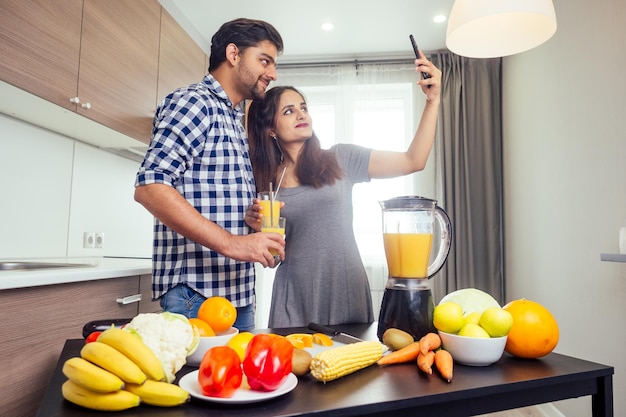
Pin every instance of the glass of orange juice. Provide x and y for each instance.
(273, 225)
(269, 206)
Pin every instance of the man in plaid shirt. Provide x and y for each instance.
(196, 178)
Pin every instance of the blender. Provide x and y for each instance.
(408, 235)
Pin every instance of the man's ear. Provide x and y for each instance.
(232, 53)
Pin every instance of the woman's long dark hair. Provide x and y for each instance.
(315, 166)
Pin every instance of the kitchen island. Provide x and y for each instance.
(398, 390)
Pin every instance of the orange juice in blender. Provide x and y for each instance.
(408, 254)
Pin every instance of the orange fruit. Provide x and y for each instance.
(204, 329)
(219, 312)
(535, 332)
(239, 343)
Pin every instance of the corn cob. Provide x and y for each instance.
(337, 362)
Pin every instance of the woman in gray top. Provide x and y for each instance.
(322, 278)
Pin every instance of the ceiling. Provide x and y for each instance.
(363, 29)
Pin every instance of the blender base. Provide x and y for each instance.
(407, 305)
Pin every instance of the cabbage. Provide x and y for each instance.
(169, 335)
(471, 299)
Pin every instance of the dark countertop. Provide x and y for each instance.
(399, 390)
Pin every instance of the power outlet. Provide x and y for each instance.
(99, 239)
(89, 240)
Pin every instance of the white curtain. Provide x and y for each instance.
(372, 105)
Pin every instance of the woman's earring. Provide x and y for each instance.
(282, 156)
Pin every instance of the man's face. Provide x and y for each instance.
(257, 69)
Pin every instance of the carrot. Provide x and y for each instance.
(406, 354)
(425, 361)
(430, 341)
(444, 364)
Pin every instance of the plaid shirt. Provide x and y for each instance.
(199, 147)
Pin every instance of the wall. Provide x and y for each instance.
(565, 183)
(54, 188)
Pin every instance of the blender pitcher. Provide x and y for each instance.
(408, 235)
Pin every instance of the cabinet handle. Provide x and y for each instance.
(130, 299)
(86, 106)
(75, 100)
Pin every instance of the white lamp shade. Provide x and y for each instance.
(496, 28)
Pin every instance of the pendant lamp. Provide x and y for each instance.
(497, 28)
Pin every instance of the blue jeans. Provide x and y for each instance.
(184, 300)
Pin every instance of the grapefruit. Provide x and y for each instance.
(534, 333)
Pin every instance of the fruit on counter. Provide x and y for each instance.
(91, 377)
(301, 362)
(218, 312)
(344, 360)
(444, 364)
(448, 317)
(268, 361)
(203, 328)
(169, 336)
(114, 361)
(408, 353)
(239, 343)
(396, 339)
(473, 330)
(496, 321)
(159, 393)
(535, 331)
(110, 401)
(220, 373)
(471, 300)
(429, 342)
(133, 347)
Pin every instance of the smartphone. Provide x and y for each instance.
(417, 55)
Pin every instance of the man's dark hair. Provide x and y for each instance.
(243, 33)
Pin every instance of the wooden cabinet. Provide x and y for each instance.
(36, 322)
(118, 57)
(40, 47)
(119, 64)
(181, 60)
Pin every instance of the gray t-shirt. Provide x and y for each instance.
(322, 278)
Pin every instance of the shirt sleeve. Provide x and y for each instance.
(354, 160)
(178, 135)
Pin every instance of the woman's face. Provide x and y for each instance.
(293, 122)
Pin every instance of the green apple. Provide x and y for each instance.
(473, 317)
(473, 330)
(448, 317)
(496, 321)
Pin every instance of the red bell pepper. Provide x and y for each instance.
(93, 336)
(220, 373)
(267, 361)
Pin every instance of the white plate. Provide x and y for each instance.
(189, 382)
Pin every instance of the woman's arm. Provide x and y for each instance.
(388, 164)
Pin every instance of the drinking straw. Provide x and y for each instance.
(280, 182)
(271, 205)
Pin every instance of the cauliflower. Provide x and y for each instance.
(169, 335)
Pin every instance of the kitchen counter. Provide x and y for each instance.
(398, 390)
(103, 268)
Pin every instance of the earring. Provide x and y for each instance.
(282, 156)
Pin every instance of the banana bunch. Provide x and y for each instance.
(118, 372)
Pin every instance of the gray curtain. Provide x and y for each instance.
(469, 147)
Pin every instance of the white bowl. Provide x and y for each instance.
(205, 343)
(473, 351)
